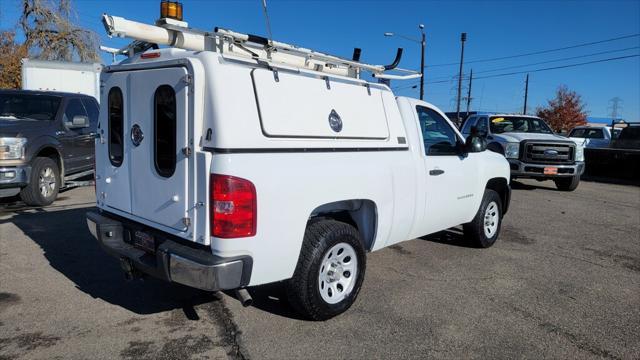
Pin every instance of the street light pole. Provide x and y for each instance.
(423, 43)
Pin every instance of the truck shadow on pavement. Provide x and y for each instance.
(70, 249)
(453, 237)
(541, 185)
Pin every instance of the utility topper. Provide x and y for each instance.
(227, 161)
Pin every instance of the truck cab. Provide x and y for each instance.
(531, 147)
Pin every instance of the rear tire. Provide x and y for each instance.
(330, 270)
(568, 183)
(484, 229)
(44, 183)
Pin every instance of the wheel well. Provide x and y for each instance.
(496, 147)
(361, 214)
(500, 186)
(52, 154)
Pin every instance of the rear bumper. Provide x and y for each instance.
(523, 170)
(173, 260)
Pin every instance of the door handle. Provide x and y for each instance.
(58, 133)
(436, 172)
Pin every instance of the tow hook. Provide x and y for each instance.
(130, 272)
(244, 297)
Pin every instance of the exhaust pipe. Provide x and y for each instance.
(244, 297)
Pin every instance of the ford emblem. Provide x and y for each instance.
(550, 153)
(335, 122)
(136, 135)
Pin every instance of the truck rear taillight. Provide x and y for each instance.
(233, 207)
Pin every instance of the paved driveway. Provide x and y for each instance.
(563, 281)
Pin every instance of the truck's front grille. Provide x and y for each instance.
(548, 153)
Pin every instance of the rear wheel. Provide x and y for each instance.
(330, 270)
(567, 183)
(44, 183)
(484, 229)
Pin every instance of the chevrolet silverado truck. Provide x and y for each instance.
(531, 147)
(46, 142)
(222, 168)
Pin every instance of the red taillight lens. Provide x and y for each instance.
(233, 207)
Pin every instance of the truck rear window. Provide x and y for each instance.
(164, 126)
(29, 107)
(116, 126)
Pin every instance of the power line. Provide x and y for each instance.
(539, 52)
(545, 69)
(545, 62)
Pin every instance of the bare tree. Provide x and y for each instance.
(51, 35)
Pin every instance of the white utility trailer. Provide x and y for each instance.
(62, 76)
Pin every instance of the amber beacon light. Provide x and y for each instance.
(171, 9)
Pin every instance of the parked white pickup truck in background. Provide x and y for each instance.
(593, 136)
(220, 169)
(532, 148)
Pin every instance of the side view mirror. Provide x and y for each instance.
(475, 143)
(78, 122)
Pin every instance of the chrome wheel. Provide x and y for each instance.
(47, 182)
(338, 273)
(491, 219)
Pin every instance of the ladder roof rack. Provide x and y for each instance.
(256, 47)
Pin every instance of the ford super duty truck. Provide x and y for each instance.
(219, 167)
(531, 147)
(46, 142)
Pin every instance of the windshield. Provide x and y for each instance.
(27, 106)
(502, 124)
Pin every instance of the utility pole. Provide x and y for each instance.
(424, 43)
(469, 92)
(616, 106)
(526, 94)
(463, 38)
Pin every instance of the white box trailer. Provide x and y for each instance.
(71, 77)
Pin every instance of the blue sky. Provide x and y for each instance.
(494, 28)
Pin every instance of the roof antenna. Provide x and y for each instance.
(267, 21)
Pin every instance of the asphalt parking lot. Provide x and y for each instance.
(563, 281)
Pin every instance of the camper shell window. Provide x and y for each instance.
(116, 126)
(164, 126)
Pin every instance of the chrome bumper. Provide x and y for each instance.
(172, 261)
(522, 169)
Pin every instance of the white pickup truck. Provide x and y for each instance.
(222, 171)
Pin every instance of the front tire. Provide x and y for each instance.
(330, 270)
(44, 183)
(567, 183)
(484, 229)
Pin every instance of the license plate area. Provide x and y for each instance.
(144, 241)
(551, 170)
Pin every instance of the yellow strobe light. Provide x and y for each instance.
(171, 9)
